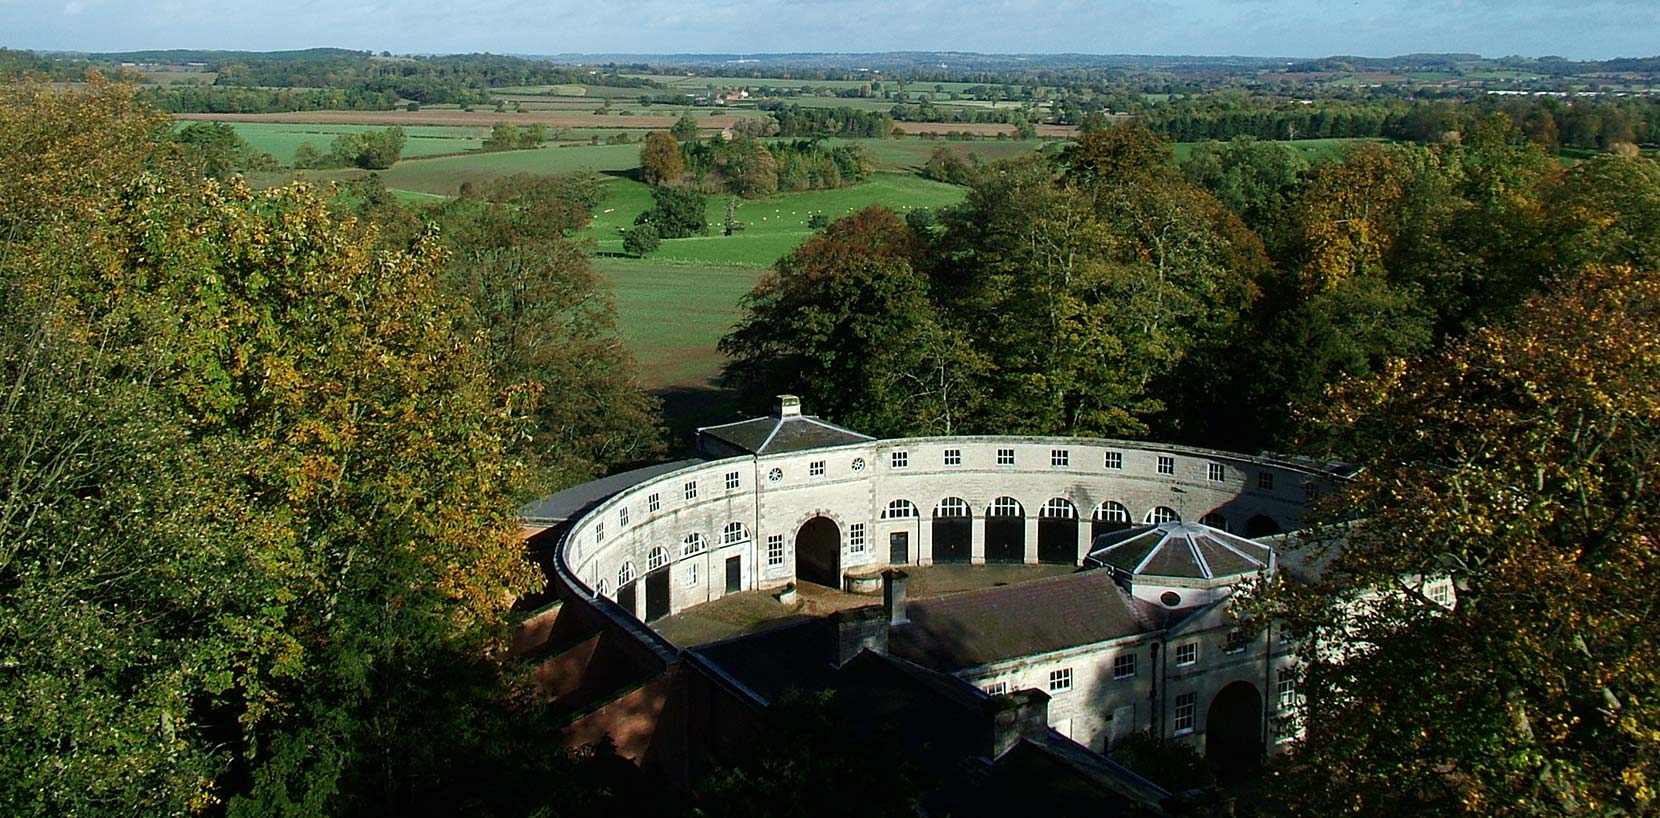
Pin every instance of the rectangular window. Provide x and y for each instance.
(900, 460)
(599, 531)
(1123, 667)
(731, 480)
(1060, 681)
(653, 502)
(691, 575)
(1216, 472)
(953, 457)
(815, 468)
(856, 538)
(622, 517)
(1184, 713)
(1265, 480)
(1287, 689)
(1187, 654)
(1441, 593)
(1113, 460)
(690, 489)
(1167, 464)
(997, 689)
(775, 550)
(1005, 457)
(1060, 458)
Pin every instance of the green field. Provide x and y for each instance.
(281, 139)
(672, 314)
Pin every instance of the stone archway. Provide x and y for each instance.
(1233, 728)
(818, 552)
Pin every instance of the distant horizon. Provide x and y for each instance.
(1287, 29)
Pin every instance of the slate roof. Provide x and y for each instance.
(1180, 551)
(976, 628)
(564, 505)
(791, 433)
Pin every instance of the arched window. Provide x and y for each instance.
(1059, 508)
(1214, 520)
(1111, 512)
(625, 574)
(693, 544)
(658, 558)
(900, 510)
(1163, 514)
(1005, 507)
(951, 507)
(733, 534)
(602, 588)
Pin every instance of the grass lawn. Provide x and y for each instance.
(772, 227)
(443, 175)
(281, 139)
(672, 315)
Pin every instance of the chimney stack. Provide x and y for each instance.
(1017, 715)
(857, 630)
(789, 406)
(893, 595)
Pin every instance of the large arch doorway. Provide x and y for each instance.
(818, 552)
(1005, 531)
(1261, 526)
(1058, 532)
(1233, 728)
(952, 530)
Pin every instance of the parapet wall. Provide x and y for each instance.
(693, 535)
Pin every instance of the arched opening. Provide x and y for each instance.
(657, 584)
(1108, 517)
(952, 530)
(1058, 532)
(1215, 521)
(1261, 526)
(818, 552)
(1163, 514)
(1005, 531)
(1233, 728)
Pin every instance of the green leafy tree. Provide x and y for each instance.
(685, 128)
(217, 151)
(641, 240)
(677, 213)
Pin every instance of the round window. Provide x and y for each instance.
(775, 475)
(1170, 598)
(858, 464)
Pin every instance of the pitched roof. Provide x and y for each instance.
(1181, 551)
(571, 502)
(971, 629)
(790, 433)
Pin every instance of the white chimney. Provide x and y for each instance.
(789, 406)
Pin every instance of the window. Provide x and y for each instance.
(693, 544)
(1441, 593)
(1006, 507)
(602, 588)
(1060, 681)
(1167, 464)
(775, 475)
(1187, 654)
(625, 574)
(1214, 520)
(953, 457)
(622, 517)
(731, 480)
(1216, 472)
(654, 501)
(1123, 667)
(1287, 688)
(1265, 480)
(856, 538)
(1060, 458)
(899, 460)
(1111, 512)
(658, 558)
(1162, 515)
(599, 531)
(1058, 508)
(997, 689)
(815, 468)
(775, 550)
(1113, 460)
(858, 464)
(900, 510)
(691, 575)
(1184, 713)
(952, 507)
(690, 489)
(733, 534)
(1005, 457)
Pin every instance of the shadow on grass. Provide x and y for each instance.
(687, 407)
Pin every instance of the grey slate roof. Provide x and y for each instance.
(773, 435)
(1180, 551)
(564, 505)
(976, 628)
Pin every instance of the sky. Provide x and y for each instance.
(1585, 29)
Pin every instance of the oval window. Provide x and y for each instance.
(1170, 599)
